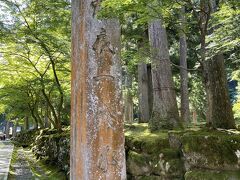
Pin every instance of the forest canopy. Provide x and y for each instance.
(35, 53)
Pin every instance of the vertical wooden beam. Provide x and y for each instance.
(97, 137)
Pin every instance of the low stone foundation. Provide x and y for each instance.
(49, 145)
(193, 154)
(196, 154)
(149, 155)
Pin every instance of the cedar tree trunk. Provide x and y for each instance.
(165, 111)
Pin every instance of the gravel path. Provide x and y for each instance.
(24, 165)
(21, 167)
(6, 149)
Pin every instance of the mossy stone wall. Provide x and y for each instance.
(166, 155)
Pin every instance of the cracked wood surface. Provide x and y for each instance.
(97, 138)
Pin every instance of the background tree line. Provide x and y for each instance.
(200, 40)
(35, 50)
(173, 55)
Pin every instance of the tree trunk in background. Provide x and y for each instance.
(143, 93)
(36, 125)
(219, 113)
(128, 101)
(204, 16)
(47, 123)
(165, 111)
(150, 89)
(26, 123)
(7, 129)
(194, 117)
(14, 129)
(221, 108)
(97, 136)
(185, 111)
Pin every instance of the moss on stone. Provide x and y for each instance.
(176, 169)
(138, 164)
(193, 148)
(171, 153)
(12, 173)
(140, 139)
(149, 178)
(138, 158)
(212, 175)
(211, 149)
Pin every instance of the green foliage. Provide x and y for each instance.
(35, 49)
(139, 138)
(197, 97)
(226, 30)
(35, 62)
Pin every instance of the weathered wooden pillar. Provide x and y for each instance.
(97, 137)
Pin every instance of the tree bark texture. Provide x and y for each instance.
(204, 17)
(185, 111)
(14, 128)
(47, 123)
(143, 93)
(221, 115)
(97, 136)
(165, 111)
(150, 89)
(128, 101)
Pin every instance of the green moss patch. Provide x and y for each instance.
(149, 178)
(12, 173)
(38, 169)
(140, 139)
(138, 164)
(169, 153)
(211, 149)
(212, 175)
(43, 171)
